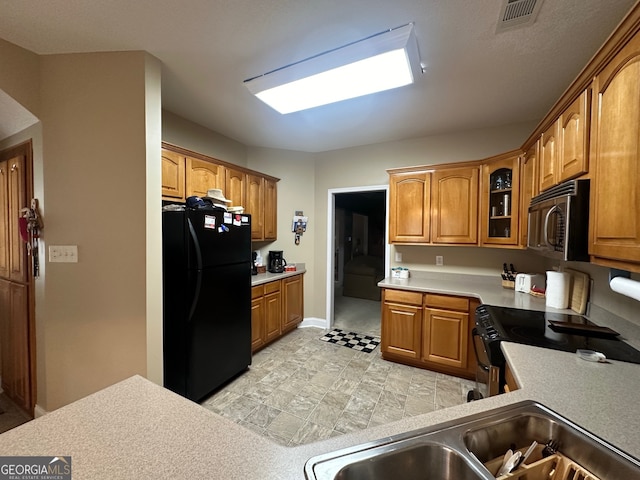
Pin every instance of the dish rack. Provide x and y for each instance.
(553, 467)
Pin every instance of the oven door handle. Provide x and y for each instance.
(551, 211)
(475, 334)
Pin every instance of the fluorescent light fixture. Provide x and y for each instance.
(381, 62)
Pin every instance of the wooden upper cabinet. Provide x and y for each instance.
(528, 189)
(270, 209)
(201, 176)
(255, 205)
(573, 130)
(235, 188)
(548, 157)
(500, 200)
(173, 171)
(615, 185)
(454, 204)
(410, 207)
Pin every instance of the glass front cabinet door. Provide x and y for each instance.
(500, 203)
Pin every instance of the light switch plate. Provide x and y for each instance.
(63, 253)
(439, 260)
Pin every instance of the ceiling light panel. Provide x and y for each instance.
(380, 62)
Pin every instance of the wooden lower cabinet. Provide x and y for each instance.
(401, 324)
(276, 308)
(14, 343)
(429, 331)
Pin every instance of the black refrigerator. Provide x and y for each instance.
(206, 299)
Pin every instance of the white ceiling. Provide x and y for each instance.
(475, 78)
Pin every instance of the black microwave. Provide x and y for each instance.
(559, 222)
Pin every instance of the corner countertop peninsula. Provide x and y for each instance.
(136, 429)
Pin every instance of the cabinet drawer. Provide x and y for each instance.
(446, 302)
(272, 287)
(401, 296)
(257, 292)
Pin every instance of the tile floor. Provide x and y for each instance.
(356, 315)
(300, 390)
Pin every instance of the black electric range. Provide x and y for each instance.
(497, 324)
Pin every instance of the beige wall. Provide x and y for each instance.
(20, 75)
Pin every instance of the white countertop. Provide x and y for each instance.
(267, 277)
(136, 429)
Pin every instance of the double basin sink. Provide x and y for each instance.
(470, 447)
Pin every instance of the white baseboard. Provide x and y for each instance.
(313, 322)
(38, 411)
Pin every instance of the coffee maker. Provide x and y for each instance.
(276, 261)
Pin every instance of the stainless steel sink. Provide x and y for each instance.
(459, 449)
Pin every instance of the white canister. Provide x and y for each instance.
(557, 292)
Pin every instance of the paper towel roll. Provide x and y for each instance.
(557, 292)
(626, 286)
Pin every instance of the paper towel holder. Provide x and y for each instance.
(624, 286)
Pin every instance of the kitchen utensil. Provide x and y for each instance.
(550, 448)
(511, 464)
(526, 455)
(506, 458)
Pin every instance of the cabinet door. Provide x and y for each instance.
(173, 168)
(548, 157)
(14, 331)
(270, 210)
(528, 189)
(292, 301)
(454, 203)
(235, 190)
(445, 337)
(500, 211)
(410, 207)
(273, 314)
(4, 219)
(257, 323)
(615, 186)
(574, 138)
(255, 205)
(202, 176)
(17, 201)
(401, 330)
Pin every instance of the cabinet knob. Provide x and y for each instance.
(14, 167)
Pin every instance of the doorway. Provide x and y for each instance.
(357, 257)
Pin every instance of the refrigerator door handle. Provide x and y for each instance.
(198, 286)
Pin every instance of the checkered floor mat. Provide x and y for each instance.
(364, 343)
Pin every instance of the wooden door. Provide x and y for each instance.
(202, 176)
(528, 189)
(548, 157)
(292, 301)
(273, 310)
(445, 339)
(499, 219)
(255, 205)
(270, 210)
(454, 203)
(235, 190)
(401, 323)
(4, 220)
(615, 184)
(573, 156)
(173, 172)
(409, 207)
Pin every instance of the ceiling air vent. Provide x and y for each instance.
(518, 13)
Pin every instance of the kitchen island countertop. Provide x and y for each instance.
(136, 429)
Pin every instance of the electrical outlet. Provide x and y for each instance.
(63, 253)
(439, 260)
(398, 257)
